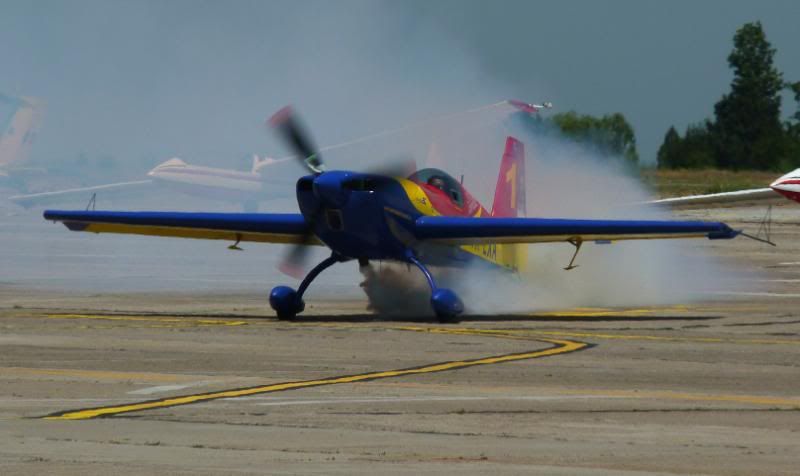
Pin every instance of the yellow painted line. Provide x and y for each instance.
(678, 309)
(521, 333)
(94, 374)
(171, 320)
(697, 397)
(602, 313)
(559, 347)
(707, 340)
(508, 334)
(610, 393)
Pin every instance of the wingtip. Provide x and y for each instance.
(725, 232)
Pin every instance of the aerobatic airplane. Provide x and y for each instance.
(427, 219)
(246, 188)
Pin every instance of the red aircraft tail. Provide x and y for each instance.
(509, 196)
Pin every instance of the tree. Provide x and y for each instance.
(698, 147)
(793, 131)
(795, 88)
(747, 132)
(694, 151)
(669, 153)
(609, 135)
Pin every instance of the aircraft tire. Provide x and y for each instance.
(285, 302)
(447, 305)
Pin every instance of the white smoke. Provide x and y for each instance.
(564, 180)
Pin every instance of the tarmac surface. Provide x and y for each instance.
(203, 380)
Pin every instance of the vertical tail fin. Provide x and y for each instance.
(509, 201)
(509, 195)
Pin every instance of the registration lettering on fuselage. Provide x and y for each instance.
(488, 251)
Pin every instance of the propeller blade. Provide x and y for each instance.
(295, 263)
(289, 128)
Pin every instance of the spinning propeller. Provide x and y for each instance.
(289, 128)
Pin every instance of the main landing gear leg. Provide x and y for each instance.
(287, 302)
(445, 303)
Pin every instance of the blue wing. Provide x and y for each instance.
(260, 227)
(467, 231)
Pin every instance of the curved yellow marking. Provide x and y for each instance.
(525, 333)
(418, 197)
(560, 347)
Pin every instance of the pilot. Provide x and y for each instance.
(437, 182)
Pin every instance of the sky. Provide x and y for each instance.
(148, 80)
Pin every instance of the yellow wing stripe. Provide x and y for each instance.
(197, 233)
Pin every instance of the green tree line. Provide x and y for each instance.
(610, 135)
(746, 131)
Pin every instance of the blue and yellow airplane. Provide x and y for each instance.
(427, 219)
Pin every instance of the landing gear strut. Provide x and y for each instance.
(287, 302)
(445, 303)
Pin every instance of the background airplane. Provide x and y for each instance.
(787, 186)
(266, 180)
(428, 219)
(245, 188)
(19, 131)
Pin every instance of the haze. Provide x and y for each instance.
(148, 80)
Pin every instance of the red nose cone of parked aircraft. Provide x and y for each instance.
(788, 185)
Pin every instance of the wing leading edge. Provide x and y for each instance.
(257, 227)
(468, 231)
(755, 194)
